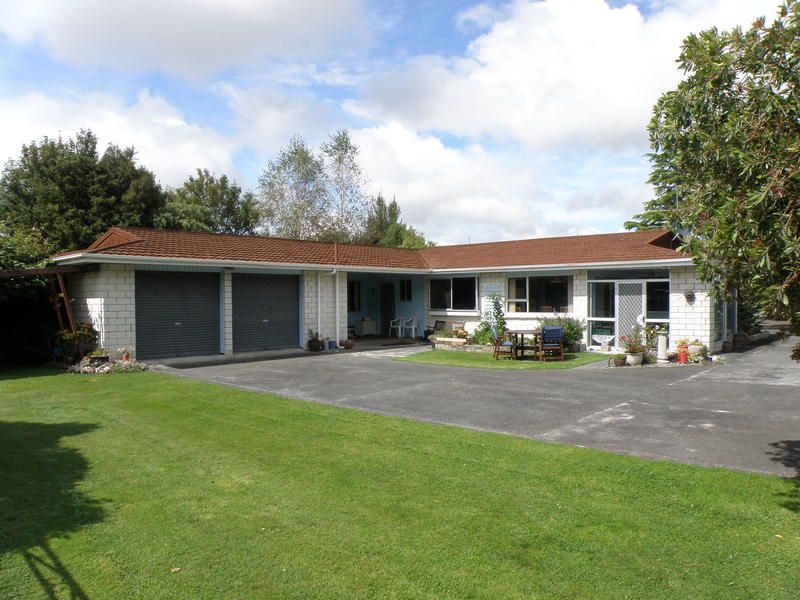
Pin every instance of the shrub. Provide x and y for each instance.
(573, 328)
(71, 347)
(483, 334)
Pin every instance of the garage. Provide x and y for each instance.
(177, 314)
(266, 312)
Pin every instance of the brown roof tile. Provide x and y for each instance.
(611, 247)
(577, 249)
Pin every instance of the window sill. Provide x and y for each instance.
(454, 313)
(537, 315)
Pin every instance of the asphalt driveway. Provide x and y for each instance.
(744, 414)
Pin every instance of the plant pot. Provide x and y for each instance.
(634, 360)
(694, 349)
(316, 345)
(683, 356)
(619, 361)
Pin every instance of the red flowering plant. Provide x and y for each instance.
(633, 343)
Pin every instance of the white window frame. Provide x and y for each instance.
(538, 314)
(450, 310)
(616, 283)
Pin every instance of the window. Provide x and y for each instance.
(405, 290)
(539, 294)
(454, 293)
(601, 300)
(657, 300)
(354, 296)
(517, 294)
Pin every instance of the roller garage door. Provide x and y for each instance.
(266, 312)
(177, 314)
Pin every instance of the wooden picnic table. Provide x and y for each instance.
(519, 341)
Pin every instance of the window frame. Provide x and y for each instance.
(354, 299)
(570, 288)
(406, 293)
(449, 309)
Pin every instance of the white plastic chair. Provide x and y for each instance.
(410, 325)
(396, 324)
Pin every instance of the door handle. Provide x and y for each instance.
(178, 323)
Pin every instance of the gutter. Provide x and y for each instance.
(88, 257)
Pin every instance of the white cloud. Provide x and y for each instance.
(552, 72)
(186, 37)
(479, 16)
(454, 195)
(165, 142)
(266, 117)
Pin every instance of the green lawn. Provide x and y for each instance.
(484, 360)
(114, 480)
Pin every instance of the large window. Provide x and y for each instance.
(539, 294)
(601, 300)
(454, 293)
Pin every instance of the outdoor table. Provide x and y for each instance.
(519, 340)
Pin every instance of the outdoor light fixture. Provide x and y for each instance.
(689, 295)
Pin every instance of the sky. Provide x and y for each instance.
(486, 121)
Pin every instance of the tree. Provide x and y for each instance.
(64, 189)
(403, 236)
(726, 160)
(381, 216)
(294, 197)
(347, 203)
(207, 203)
(21, 249)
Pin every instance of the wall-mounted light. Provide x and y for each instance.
(689, 295)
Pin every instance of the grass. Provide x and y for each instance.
(115, 480)
(484, 360)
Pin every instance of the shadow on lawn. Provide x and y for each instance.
(787, 452)
(39, 498)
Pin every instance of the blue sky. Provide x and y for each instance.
(487, 121)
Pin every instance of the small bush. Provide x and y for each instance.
(573, 328)
(71, 347)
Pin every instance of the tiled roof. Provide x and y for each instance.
(576, 249)
(162, 243)
(165, 243)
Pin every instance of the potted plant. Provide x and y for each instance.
(683, 351)
(98, 355)
(315, 343)
(347, 344)
(618, 360)
(634, 347)
(696, 347)
(125, 353)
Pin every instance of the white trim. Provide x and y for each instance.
(84, 257)
(667, 262)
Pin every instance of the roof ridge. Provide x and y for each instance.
(126, 236)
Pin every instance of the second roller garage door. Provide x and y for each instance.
(266, 312)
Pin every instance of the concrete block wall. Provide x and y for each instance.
(106, 299)
(227, 310)
(322, 318)
(690, 320)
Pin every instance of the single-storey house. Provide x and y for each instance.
(175, 293)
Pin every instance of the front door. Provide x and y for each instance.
(630, 307)
(387, 306)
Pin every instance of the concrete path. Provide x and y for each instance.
(742, 415)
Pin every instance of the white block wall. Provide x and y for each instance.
(227, 310)
(323, 318)
(106, 300)
(690, 320)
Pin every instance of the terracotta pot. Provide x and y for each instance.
(619, 361)
(683, 356)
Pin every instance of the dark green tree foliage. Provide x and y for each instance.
(207, 203)
(726, 160)
(381, 215)
(66, 190)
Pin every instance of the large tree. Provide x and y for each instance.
(726, 160)
(294, 197)
(348, 204)
(67, 191)
(209, 203)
